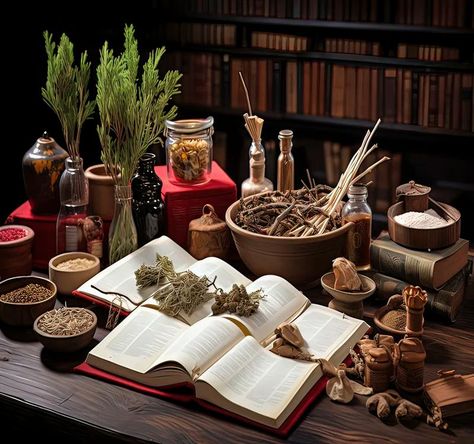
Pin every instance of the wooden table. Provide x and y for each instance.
(39, 394)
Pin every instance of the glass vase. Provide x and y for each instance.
(147, 204)
(122, 233)
(74, 198)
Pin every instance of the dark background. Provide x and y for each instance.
(89, 24)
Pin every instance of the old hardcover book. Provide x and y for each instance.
(428, 269)
(227, 358)
(446, 302)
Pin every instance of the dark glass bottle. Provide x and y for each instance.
(147, 204)
(43, 165)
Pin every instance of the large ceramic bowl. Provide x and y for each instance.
(69, 280)
(300, 260)
(24, 314)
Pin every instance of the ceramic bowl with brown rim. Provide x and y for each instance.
(25, 313)
(16, 242)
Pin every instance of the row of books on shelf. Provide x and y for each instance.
(225, 35)
(453, 13)
(319, 88)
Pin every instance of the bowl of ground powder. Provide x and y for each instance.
(70, 270)
(66, 329)
(24, 298)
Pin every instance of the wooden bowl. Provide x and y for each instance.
(424, 238)
(348, 297)
(66, 344)
(378, 315)
(18, 314)
(68, 280)
(15, 255)
(300, 260)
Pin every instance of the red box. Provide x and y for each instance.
(184, 203)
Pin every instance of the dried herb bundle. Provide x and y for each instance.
(276, 213)
(181, 291)
(237, 301)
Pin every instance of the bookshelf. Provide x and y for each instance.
(327, 69)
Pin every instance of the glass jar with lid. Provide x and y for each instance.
(189, 150)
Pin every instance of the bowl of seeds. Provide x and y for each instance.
(70, 270)
(66, 329)
(24, 298)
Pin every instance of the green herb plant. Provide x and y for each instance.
(132, 117)
(66, 90)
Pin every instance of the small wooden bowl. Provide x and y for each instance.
(15, 255)
(66, 344)
(423, 238)
(348, 297)
(69, 280)
(379, 314)
(18, 314)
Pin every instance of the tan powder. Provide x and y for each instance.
(80, 263)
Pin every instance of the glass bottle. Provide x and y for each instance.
(257, 182)
(74, 198)
(43, 165)
(357, 211)
(286, 162)
(122, 232)
(189, 150)
(147, 205)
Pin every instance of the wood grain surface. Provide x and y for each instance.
(40, 396)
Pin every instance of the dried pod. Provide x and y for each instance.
(407, 410)
(346, 277)
(290, 333)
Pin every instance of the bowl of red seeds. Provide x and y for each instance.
(15, 250)
(24, 298)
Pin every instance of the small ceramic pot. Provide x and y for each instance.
(15, 255)
(101, 192)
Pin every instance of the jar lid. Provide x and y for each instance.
(357, 189)
(412, 189)
(189, 126)
(379, 354)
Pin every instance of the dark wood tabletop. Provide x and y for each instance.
(40, 396)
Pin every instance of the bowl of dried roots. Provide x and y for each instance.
(66, 329)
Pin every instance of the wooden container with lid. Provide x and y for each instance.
(415, 196)
(378, 368)
(409, 360)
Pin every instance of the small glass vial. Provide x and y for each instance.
(357, 211)
(286, 162)
(74, 198)
(189, 150)
(257, 182)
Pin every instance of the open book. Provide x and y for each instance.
(226, 358)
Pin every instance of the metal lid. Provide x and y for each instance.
(190, 126)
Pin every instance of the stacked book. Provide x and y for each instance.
(442, 273)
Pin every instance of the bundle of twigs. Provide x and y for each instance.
(308, 211)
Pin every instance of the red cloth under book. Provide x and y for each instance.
(186, 396)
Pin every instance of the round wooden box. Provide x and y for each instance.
(424, 238)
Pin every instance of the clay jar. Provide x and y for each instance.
(101, 192)
(43, 165)
(15, 255)
(378, 369)
(410, 358)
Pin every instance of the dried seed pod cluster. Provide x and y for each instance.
(237, 301)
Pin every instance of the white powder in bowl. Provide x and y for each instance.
(428, 219)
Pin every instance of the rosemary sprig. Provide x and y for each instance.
(66, 90)
(132, 112)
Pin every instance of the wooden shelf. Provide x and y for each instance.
(329, 24)
(394, 130)
(352, 59)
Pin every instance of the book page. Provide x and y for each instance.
(282, 302)
(138, 340)
(328, 333)
(257, 379)
(121, 275)
(202, 344)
